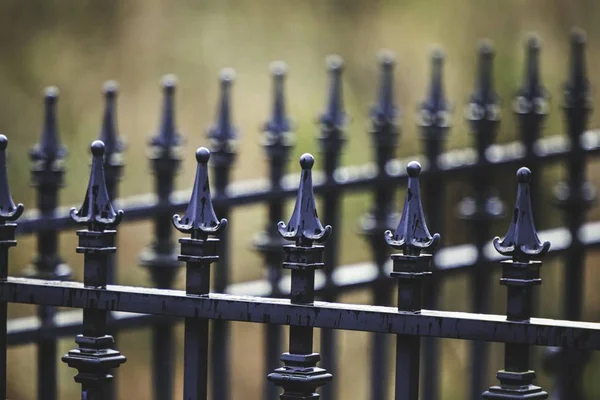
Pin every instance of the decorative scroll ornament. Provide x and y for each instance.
(8, 210)
(97, 210)
(521, 241)
(304, 226)
(412, 235)
(199, 219)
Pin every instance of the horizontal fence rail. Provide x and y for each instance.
(405, 254)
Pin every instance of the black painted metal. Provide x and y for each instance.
(95, 357)
(300, 377)
(434, 123)
(385, 132)
(160, 257)
(47, 177)
(223, 139)
(277, 141)
(107, 307)
(519, 275)
(483, 114)
(8, 212)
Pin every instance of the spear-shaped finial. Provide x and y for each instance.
(521, 241)
(49, 147)
(532, 97)
(577, 87)
(385, 112)
(412, 235)
(484, 93)
(109, 134)
(8, 210)
(279, 123)
(434, 109)
(304, 226)
(97, 210)
(223, 134)
(168, 136)
(334, 116)
(200, 219)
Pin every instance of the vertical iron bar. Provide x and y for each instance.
(410, 268)
(8, 212)
(95, 358)
(574, 197)
(198, 252)
(47, 177)
(300, 377)
(519, 274)
(331, 139)
(277, 141)
(483, 115)
(160, 257)
(385, 133)
(434, 122)
(223, 139)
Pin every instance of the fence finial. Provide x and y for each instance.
(334, 116)
(412, 235)
(484, 102)
(434, 110)
(8, 210)
(49, 147)
(532, 97)
(109, 134)
(521, 242)
(385, 112)
(279, 123)
(304, 226)
(577, 87)
(223, 134)
(167, 136)
(200, 219)
(97, 210)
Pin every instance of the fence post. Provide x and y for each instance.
(300, 377)
(519, 275)
(223, 139)
(277, 141)
(410, 268)
(95, 357)
(8, 212)
(198, 252)
(332, 138)
(483, 114)
(47, 177)
(113, 170)
(575, 197)
(382, 216)
(434, 122)
(160, 257)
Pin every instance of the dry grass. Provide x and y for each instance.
(79, 45)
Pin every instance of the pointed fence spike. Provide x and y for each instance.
(279, 122)
(8, 210)
(304, 226)
(109, 133)
(484, 91)
(434, 110)
(385, 111)
(223, 133)
(532, 97)
(49, 147)
(577, 88)
(199, 219)
(97, 210)
(412, 235)
(168, 136)
(521, 241)
(334, 116)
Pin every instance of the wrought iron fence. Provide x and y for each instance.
(415, 272)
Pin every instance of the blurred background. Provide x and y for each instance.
(78, 45)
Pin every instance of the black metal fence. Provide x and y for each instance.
(416, 273)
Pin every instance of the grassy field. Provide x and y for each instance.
(77, 46)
